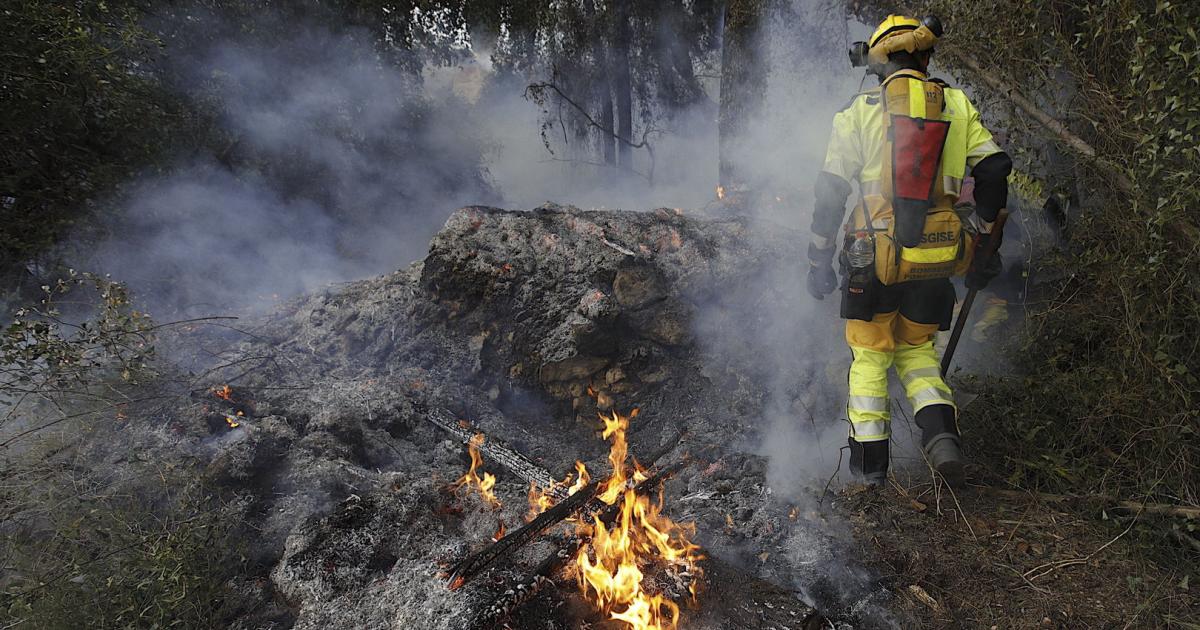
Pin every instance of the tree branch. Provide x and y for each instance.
(533, 92)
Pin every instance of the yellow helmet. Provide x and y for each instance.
(893, 25)
(896, 33)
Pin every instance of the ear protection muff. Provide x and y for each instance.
(858, 54)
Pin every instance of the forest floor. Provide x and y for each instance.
(981, 558)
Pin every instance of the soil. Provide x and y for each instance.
(978, 558)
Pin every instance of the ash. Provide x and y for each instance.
(506, 323)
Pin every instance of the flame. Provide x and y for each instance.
(541, 500)
(223, 392)
(611, 566)
(720, 192)
(582, 479)
(483, 484)
(500, 532)
(234, 421)
(615, 425)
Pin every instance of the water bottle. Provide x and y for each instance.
(861, 253)
(858, 300)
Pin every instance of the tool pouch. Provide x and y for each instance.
(860, 294)
(943, 249)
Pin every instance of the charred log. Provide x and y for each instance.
(584, 501)
(513, 461)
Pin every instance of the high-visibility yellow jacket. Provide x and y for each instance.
(856, 147)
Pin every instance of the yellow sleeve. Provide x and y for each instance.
(844, 155)
(979, 140)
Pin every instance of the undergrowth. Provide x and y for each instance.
(1107, 396)
(90, 553)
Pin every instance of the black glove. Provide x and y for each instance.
(982, 272)
(821, 278)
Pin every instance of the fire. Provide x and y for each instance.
(582, 480)
(483, 484)
(223, 392)
(541, 500)
(720, 192)
(611, 566)
(234, 421)
(500, 532)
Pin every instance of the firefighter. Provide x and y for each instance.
(908, 144)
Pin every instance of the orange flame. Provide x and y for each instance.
(234, 421)
(499, 532)
(611, 566)
(223, 392)
(541, 500)
(472, 479)
(720, 192)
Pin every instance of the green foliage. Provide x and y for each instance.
(84, 357)
(88, 554)
(80, 115)
(1110, 397)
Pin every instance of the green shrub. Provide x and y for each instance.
(89, 555)
(1108, 400)
(81, 114)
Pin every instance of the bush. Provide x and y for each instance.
(88, 554)
(1109, 397)
(82, 112)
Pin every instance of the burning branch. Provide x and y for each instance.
(472, 479)
(512, 461)
(523, 590)
(479, 562)
(610, 564)
(583, 500)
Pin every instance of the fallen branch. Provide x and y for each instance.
(582, 501)
(1050, 567)
(513, 461)
(1159, 509)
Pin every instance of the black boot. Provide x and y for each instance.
(942, 446)
(869, 461)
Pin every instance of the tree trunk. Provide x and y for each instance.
(601, 87)
(743, 88)
(623, 84)
(606, 121)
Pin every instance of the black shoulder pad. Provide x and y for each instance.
(939, 82)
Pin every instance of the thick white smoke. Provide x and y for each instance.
(340, 167)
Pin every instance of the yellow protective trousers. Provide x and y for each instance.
(890, 339)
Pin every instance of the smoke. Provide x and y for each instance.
(334, 166)
(338, 166)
